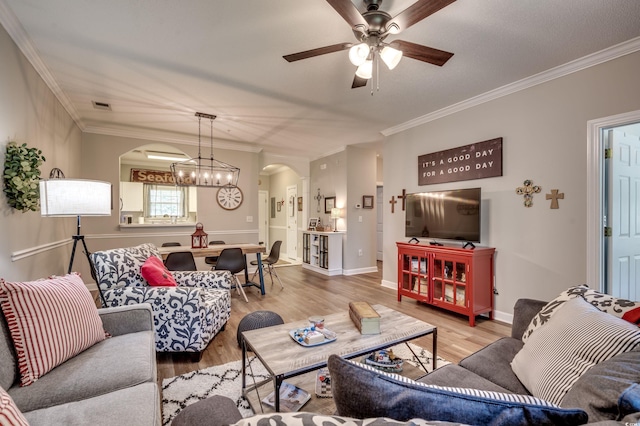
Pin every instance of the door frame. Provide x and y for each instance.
(596, 194)
(292, 221)
(263, 216)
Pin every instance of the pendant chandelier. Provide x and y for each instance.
(206, 172)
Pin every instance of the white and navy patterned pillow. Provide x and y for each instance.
(604, 302)
(576, 338)
(313, 419)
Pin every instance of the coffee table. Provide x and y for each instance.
(284, 358)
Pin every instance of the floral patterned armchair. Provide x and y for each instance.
(186, 317)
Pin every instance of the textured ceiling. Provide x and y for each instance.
(158, 62)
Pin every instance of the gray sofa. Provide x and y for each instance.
(481, 390)
(111, 383)
(607, 393)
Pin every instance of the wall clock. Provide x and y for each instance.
(229, 197)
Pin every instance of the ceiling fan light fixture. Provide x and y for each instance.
(358, 54)
(391, 56)
(365, 70)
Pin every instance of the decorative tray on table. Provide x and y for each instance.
(309, 336)
(384, 360)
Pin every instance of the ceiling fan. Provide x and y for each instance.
(371, 28)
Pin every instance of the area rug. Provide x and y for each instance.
(181, 391)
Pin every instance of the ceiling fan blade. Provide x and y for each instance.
(317, 52)
(358, 82)
(416, 13)
(349, 13)
(422, 53)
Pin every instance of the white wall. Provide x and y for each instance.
(360, 223)
(31, 246)
(539, 251)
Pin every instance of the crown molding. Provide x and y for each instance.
(158, 136)
(624, 48)
(20, 37)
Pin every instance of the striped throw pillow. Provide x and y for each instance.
(10, 415)
(50, 321)
(577, 337)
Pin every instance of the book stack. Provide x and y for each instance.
(365, 318)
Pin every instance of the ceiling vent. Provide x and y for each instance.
(101, 105)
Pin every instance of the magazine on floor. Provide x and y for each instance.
(292, 398)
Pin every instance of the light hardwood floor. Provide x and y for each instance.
(307, 293)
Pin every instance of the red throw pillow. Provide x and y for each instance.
(632, 316)
(50, 321)
(156, 274)
(9, 412)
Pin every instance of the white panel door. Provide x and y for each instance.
(624, 216)
(292, 222)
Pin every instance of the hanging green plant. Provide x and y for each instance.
(22, 176)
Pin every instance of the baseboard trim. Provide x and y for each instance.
(367, 270)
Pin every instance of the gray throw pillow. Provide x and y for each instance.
(598, 390)
(363, 392)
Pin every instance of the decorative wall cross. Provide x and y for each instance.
(393, 203)
(554, 197)
(318, 198)
(528, 190)
(403, 197)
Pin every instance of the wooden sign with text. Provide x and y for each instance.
(476, 161)
(157, 177)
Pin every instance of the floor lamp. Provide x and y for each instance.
(75, 197)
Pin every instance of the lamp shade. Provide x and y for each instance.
(365, 70)
(390, 56)
(335, 213)
(358, 54)
(75, 197)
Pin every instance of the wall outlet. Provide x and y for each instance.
(359, 218)
(249, 218)
(359, 252)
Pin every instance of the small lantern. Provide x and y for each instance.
(199, 238)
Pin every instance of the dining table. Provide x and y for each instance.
(216, 249)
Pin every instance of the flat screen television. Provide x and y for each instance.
(448, 215)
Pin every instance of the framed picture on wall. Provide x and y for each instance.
(329, 203)
(367, 201)
(273, 207)
(299, 204)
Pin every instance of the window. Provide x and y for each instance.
(165, 201)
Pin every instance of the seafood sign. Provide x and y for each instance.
(476, 161)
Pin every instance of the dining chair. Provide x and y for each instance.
(171, 244)
(233, 260)
(180, 261)
(211, 260)
(272, 259)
